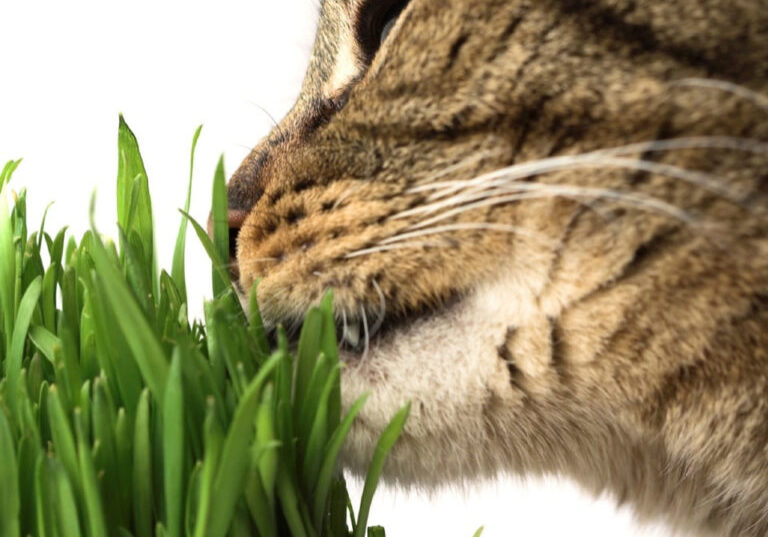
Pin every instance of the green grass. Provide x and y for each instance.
(120, 416)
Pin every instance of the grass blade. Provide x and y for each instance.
(317, 436)
(306, 356)
(63, 503)
(142, 470)
(387, 440)
(10, 503)
(178, 269)
(143, 342)
(214, 441)
(325, 476)
(218, 263)
(230, 477)
(15, 356)
(173, 448)
(7, 268)
(7, 171)
(93, 507)
(129, 170)
(63, 439)
(220, 225)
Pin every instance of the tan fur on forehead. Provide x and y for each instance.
(601, 316)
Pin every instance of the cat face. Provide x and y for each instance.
(380, 182)
(492, 188)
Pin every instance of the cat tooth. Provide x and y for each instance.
(352, 333)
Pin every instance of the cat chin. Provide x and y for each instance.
(448, 366)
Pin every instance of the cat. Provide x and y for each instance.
(545, 223)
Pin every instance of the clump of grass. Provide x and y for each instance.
(121, 417)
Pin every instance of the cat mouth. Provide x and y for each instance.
(361, 337)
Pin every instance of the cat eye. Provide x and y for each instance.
(375, 23)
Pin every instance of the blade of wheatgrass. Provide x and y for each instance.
(330, 458)
(7, 171)
(479, 532)
(306, 357)
(329, 347)
(241, 524)
(386, 442)
(317, 437)
(256, 324)
(178, 269)
(14, 357)
(41, 231)
(43, 511)
(57, 247)
(7, 268)
(265, 435)
(93, 507)
(64, 506)
(143, 342)
(135, 269)
(193, 495)
(49, 297)
(10, 503)
(173, 448)
(131, 168)
(214, 441)
(45, 341)
(233, 468)
(310, 408)
(28, 451)
(337, 520)
(218, 263)
(124, 454)
(289, 501)
(142, 470)
(63, 441)
(262, 511)
(220, 225)
(103, 416)
(86, 411)
(113, 353)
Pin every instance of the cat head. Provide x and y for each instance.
(453, 169)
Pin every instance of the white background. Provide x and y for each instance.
(67, 68)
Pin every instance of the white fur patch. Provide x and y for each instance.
(347, 65)
(443, 363)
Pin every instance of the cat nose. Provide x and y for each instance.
(235, 219)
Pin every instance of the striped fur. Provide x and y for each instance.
(565, 205)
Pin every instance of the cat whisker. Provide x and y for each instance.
(736, 143)
(591, 159)
(586, 161)
(525, 191)
(754, 97)
(382, 308)
(462, 164)
(464, 226)
(385, 248)
(344, 325)
(366, 335)
(348, 192)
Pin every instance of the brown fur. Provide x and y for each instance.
(602, 338)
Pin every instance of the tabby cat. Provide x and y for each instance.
(546, 225)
